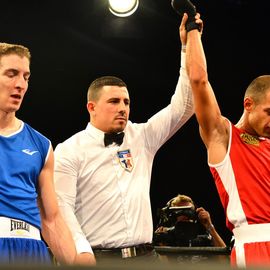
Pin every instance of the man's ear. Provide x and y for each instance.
(248, 104)
(90, 106)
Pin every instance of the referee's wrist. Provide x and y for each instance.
(184, 46)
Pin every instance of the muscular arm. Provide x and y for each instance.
(54, 230)
(213, 126)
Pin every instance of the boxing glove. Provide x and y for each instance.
(185, 6)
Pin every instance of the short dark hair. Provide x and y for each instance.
(95, 87)
(258, 88)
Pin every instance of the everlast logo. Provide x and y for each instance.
(19, 225)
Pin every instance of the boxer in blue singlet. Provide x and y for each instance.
(30, 220)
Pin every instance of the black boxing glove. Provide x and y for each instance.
(185, 6)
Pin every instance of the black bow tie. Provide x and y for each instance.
(110, 138)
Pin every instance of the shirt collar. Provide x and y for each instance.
(95, 132)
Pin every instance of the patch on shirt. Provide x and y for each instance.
(125, 159)
(249, 139)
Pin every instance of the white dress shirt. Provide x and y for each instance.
(103, 192)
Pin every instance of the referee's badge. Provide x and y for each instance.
(125, 159)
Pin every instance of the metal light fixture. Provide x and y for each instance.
(123, 8)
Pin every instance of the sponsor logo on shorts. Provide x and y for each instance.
(19, 227)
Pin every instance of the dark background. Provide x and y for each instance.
(74, 42)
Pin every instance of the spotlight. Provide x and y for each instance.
(123, 8)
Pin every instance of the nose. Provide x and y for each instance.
(122, 106)
(21, 82)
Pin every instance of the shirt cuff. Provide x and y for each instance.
(82, 245)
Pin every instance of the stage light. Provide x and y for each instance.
(123, 8)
